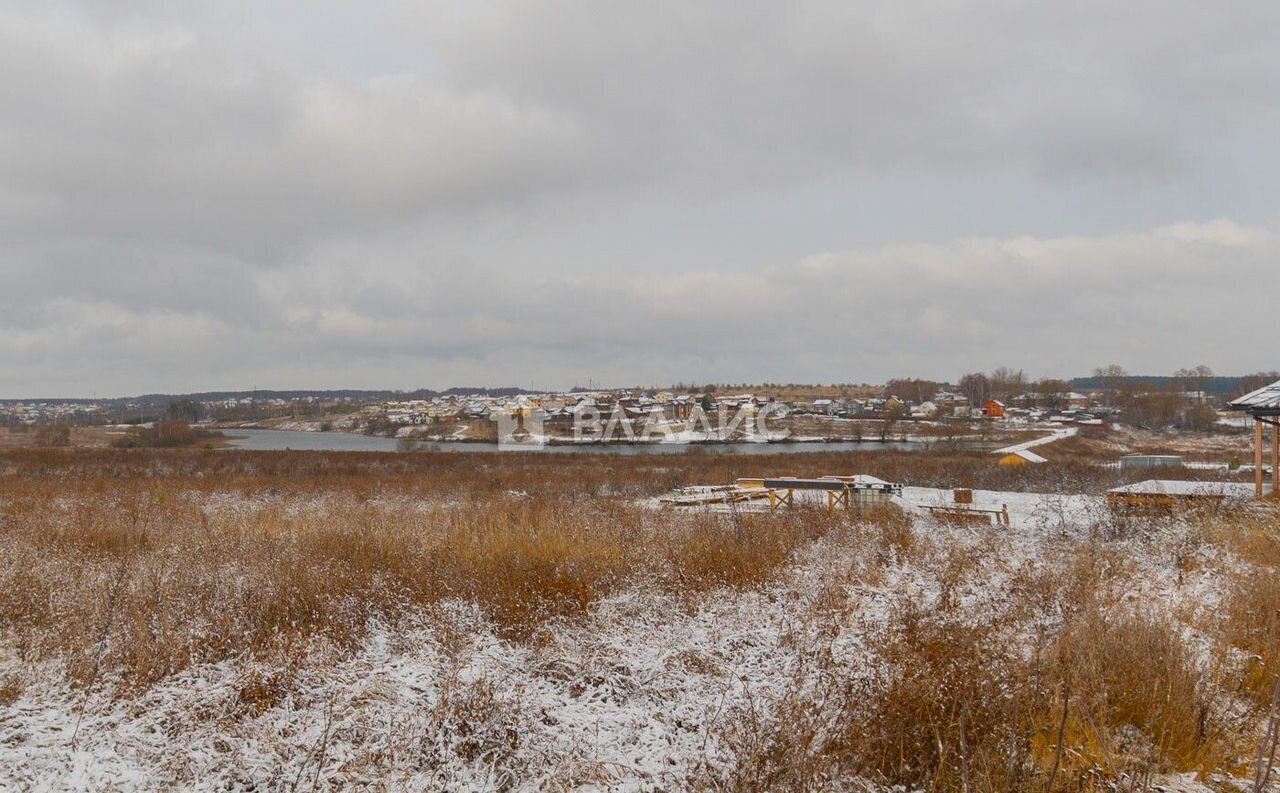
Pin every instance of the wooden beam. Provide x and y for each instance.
(1275, 460)
(1257, 456)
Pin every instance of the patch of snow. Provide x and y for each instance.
(1056, 435)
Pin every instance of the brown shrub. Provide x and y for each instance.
(10, 690)
(1138, 702)
(552, 475)
(944, 709)
(171, 434)
(1251, 623)
(145, 577)
(1249, 617)
(997, 698)
(741, 550)
(53, 436)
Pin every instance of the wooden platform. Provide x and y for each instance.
(967, 513)
(850, 492)
(1158, 495)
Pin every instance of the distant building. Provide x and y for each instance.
(993, 409)
(1157, 495)
(926, 410)
(1075, 401)
(1135, 461)
(1022, 457)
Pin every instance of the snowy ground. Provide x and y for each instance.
(636, 698)
(1057, 435)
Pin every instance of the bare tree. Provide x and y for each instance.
(891, 416)
(1203, 375)
(1007, 383)
(911, 389)
(976, 387)
(1195, 379)
(1111, 378)
(1252, 382)
(1052, 393)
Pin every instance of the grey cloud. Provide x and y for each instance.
(403, 193)
(1142, 299)
(160, 135)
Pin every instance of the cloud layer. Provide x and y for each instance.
(532, 192)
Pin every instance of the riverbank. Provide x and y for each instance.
(258, 439)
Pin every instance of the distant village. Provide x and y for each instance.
(1071, 407)
(1068, 407)
(1177, 404)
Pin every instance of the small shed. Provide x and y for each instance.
(1132, 461)
(1168, 495)
(993, 409)
(1022, 457)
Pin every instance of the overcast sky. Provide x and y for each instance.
(403, 194)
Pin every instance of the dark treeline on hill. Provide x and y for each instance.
(906, 388)
(1223, 386)
(358, 395)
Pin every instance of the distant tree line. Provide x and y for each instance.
(169, 434)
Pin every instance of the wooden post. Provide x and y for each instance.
(1275, 458)
(1257, 455)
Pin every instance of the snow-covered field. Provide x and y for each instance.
(653, 690)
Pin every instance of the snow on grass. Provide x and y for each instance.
(635, 697)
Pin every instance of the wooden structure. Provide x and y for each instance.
(967, 513)
(705, 496)
(1173, 495)
(847, 491)
(850, 492)
(962, 510)
(1022, 457)
(1263, 406)
(1131, 461)
(993, 409)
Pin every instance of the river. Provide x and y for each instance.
(280, 440)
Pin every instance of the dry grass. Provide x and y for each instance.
(1138, 703)
(454, 475)
(1252, 625)
(933, 659)
(143, 578)
(10, 690)
(1063, 687)
(1250, 613)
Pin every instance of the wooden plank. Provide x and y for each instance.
(968, 514)
(1257, 456)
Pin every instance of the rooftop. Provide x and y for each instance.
(1029, 456)
(1264, 401)
(1178, 487)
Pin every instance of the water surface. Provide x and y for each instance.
(279, 440)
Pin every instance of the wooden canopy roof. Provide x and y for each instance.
(1263, 402)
